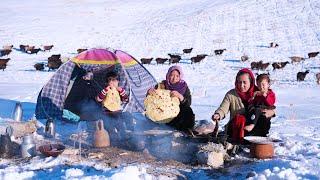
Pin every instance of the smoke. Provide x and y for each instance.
(135, 132)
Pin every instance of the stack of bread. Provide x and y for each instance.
(112, 101)
(161, 107)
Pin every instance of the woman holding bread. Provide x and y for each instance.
(178, 88)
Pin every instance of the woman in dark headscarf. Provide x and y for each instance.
(179, 88)
(236, 101)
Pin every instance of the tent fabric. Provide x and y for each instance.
(96, 56)
(133, 77)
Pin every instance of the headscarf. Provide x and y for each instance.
(180, 86)
(246, 96)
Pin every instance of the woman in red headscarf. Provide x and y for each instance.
(236, 101)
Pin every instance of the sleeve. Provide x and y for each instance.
(224, 106)
(102, 95)
(123, 95)
(270, 99)
(187, 97)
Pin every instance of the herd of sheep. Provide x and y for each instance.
(54, 61)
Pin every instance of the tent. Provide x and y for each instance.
(67, 88)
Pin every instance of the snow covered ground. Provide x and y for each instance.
(154, 28)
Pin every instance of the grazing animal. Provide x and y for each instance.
(161, 60)
(273, 45)
(264, 66)
(29, 48)
(219, 51)
(244, 58)
(279, 65)
(54, 64)
(47, 48)
(255, 65)
(146, 60)
(5, 52)
(81, 50)
(174, 60)
(296, 59)
(197, 59)
(3, 63)
(202, 55)
(39, 66)
(318, 78)
(23, 48)
(54, 57)
(34, 51)
(187, 51)
(54, 61)
(302, 75)
(313, 54)
(174, 56)
(8, 47)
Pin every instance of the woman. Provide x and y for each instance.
(179, 88)
(236, 101)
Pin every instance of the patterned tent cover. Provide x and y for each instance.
(134, 77)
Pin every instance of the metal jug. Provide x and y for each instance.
(28, 147)
(18, 112)
(50, 128)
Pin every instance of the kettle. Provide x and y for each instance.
(50, 128)
(28, 147)
(18, 112)
(101, 136)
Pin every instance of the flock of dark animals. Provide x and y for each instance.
(255, 65)
(54, 61)
(33, 50)
(176, 58)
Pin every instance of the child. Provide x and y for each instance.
(112, 82)
(262, 99)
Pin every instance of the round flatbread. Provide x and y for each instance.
(160, 107)
(112, 101)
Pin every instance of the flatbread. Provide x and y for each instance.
(160, 107)
(112, 101)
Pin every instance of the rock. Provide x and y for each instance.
(211, 154)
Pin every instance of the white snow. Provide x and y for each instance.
(154, 28)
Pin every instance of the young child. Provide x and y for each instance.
(112, 82)
(262, 99)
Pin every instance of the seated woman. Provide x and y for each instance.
(174, 82)
(236, 101)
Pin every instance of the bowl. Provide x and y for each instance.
(261, 147)
(261, 151)
(52, 149)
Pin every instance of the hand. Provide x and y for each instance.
(119, 89)
(177, 94)
(249, 127)
(151, 91)
(268, 112)
(215, 117)
(108, 88)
